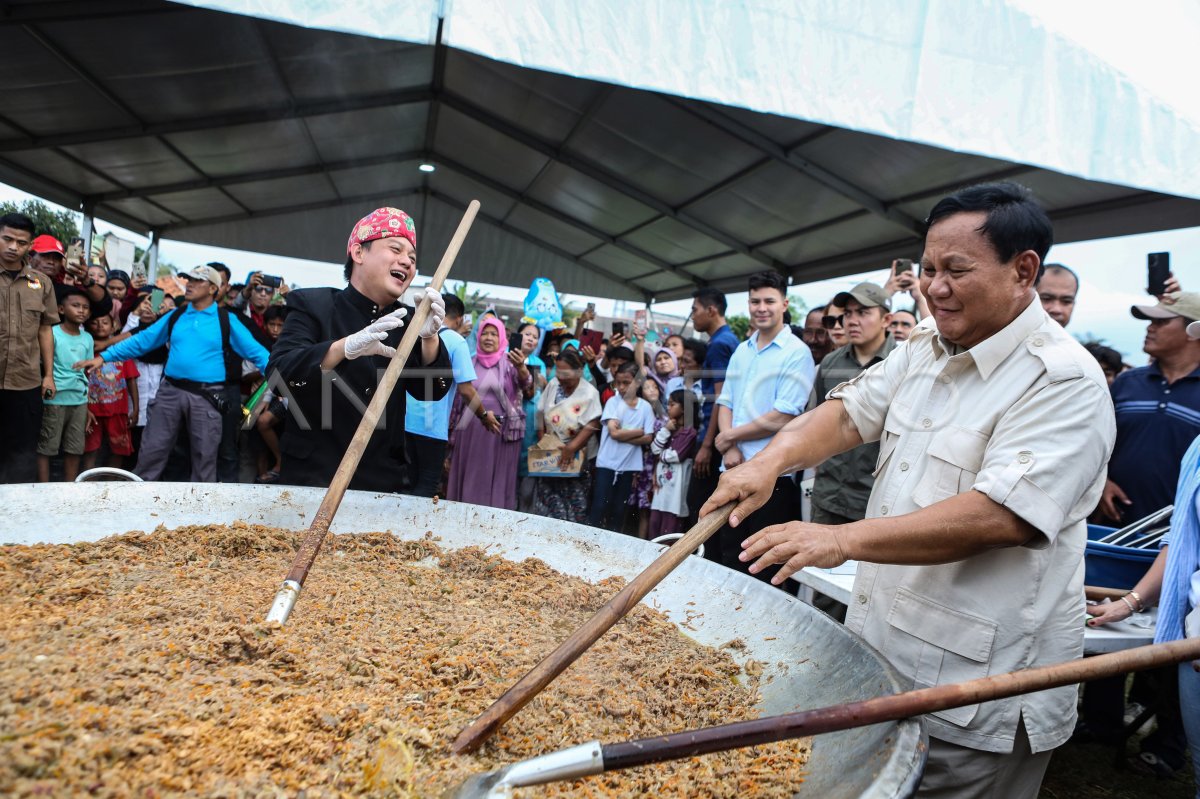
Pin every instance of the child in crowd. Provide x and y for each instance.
(271, 421)
(112, 403)
(673, 448)
(64, 415)
(273, 320)
(643, 483)
(149, 366)
(625, 425)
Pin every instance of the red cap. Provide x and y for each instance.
(45, 244)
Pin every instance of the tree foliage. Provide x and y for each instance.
(62, 225)
(740, 325)
(473, 301)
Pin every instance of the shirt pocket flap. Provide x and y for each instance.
(965, 635)
(893, 427)
(960, 447)
(31, 300)
(955, 457)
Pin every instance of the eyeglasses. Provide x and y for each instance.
(830, 322)
(814, 335)
(265, 289)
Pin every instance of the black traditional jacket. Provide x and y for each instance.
(325, 408)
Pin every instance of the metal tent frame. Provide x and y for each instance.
(228, 130)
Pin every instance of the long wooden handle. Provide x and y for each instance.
(569, 650)
(307, 553)
(1098, 593)
(897, 706)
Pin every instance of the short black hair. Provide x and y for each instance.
(366, 245)
(710, 297)
(698, 349)
(768, 279)
(17, 222)
(1015, 221)
(571, 357)
(454, 306)
(910, 311)
(223, 269)
(1105, 356)
(689, 402)
(629, 368)
(275, 311)
(62, 291)
(819, 309)
(1059, 268)
(622, 352)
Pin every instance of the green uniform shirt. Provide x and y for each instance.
(844, 482)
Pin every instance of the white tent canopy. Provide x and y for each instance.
(712, 139)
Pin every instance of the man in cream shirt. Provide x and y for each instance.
(995, 427)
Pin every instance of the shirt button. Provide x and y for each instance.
(884, 510)
(1024, 457)
(1167, 391)
(1162, 406)
(862, 599)
(904, 466)
(926, 423)
(944, 379)
(1037, 342)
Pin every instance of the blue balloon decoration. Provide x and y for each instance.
(542, 306)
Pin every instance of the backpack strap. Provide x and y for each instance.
(222, 320)
(175, 314)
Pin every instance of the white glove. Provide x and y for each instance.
(437, 313)
(369, 340)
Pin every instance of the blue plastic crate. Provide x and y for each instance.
(1109, 566)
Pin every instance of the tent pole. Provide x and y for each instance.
(89, 230)
(152, 258)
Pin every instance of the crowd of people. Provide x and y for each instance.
(895, 398)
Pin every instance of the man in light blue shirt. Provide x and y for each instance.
(766, 386)
(428, 423)
(193, 384)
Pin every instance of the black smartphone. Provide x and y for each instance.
(272, 280)
(1158, 269)
(902, 265)
(591, 307)
(618, 328)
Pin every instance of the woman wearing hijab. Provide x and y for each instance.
(526, 343)
(663, 365)
(483, 465)
(570, 410)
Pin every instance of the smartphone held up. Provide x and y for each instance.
(1158, 272)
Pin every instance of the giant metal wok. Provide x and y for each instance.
(809, 660)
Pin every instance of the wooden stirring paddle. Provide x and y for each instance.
(569, 650)
(289, 592)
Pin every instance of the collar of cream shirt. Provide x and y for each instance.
(993, 350)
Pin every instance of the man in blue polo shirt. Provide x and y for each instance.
(1158, 412)
(708, 316)
(766, 386)
(428, 423)
(1158, 417)
(192, 391)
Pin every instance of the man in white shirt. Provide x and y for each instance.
(994, 427)
(766, 386)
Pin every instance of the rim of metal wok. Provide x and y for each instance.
(808, 659)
